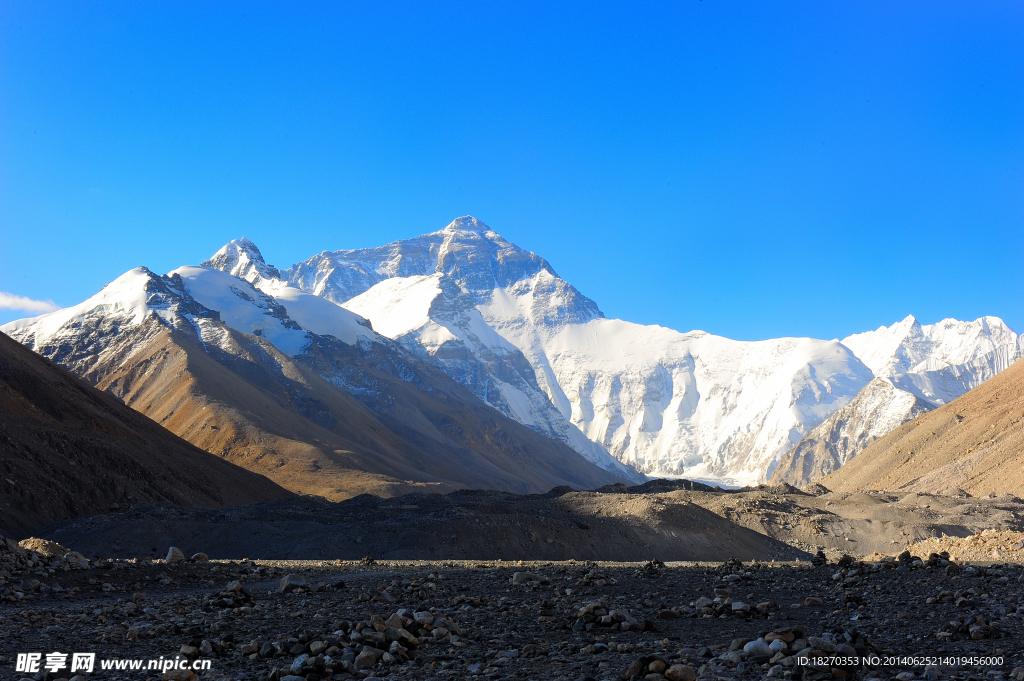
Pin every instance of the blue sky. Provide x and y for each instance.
(751, 169)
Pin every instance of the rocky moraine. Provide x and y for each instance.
(900, 617)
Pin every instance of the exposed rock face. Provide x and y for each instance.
(877, 409)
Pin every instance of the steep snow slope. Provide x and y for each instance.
(241, 258)
(876, 410)
(283, 318)
(696, 404)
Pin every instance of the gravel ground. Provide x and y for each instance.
(987, 545)
(318, 620)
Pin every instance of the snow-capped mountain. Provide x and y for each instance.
(307, 394)
(938, 362)
(75, 336)
(501, 321)
(436, 316)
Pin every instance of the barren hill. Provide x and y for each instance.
(975, 444)
(68, 449)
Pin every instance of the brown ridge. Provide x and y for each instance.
(68, 449)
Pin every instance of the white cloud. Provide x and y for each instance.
(9, 301)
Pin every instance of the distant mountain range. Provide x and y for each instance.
(355, 352)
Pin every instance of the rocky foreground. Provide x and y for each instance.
(898, 617)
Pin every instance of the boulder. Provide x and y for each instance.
(292, 582)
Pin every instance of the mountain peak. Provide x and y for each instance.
(908, 322)
(467, 223)
(241, 258)
(468, 228)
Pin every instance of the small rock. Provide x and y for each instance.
(298, 663)
(785, 635)
(177, 675)
(813, 602)
(758, 649)
(680, 672)
(821, 644)
(523, 577)
(200, 557)
(174, 555)
(636, 667)
(291, 583)
(366, 659)
(738, 643)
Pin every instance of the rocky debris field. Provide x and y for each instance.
(859, 523)
(900, 617)
(988, 545)
(674, 520)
